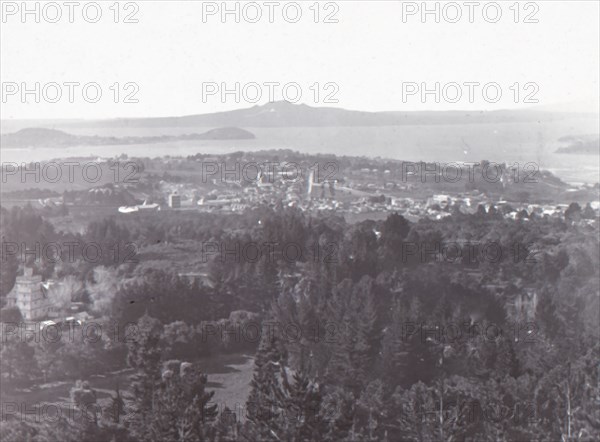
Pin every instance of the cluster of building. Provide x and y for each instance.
(360, 191)
(36, 300)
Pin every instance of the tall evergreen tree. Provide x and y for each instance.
(263, 407)
(144, 355)
(182, 411)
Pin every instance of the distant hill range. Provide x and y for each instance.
(286, 114)
(39, 137)
(580, 144)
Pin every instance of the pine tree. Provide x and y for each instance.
(368, 337)
(341, 368)
(303, 417)
(144, 355)
(395, 351)
(339, 407)
(182, 410)
(263, 407)
(370, 411)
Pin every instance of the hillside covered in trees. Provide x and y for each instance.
(387, 330)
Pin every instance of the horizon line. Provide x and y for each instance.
(535, 108)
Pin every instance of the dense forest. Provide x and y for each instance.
(379, 330)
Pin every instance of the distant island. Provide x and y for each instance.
(40, 137)
(580, 145)
(279, 114)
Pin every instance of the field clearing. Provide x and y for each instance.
(229, 376)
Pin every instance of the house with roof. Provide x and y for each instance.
(30, 296)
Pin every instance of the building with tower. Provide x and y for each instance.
(30, 296)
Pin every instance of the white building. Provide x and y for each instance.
(30, 296)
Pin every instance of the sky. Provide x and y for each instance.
(178, 57)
